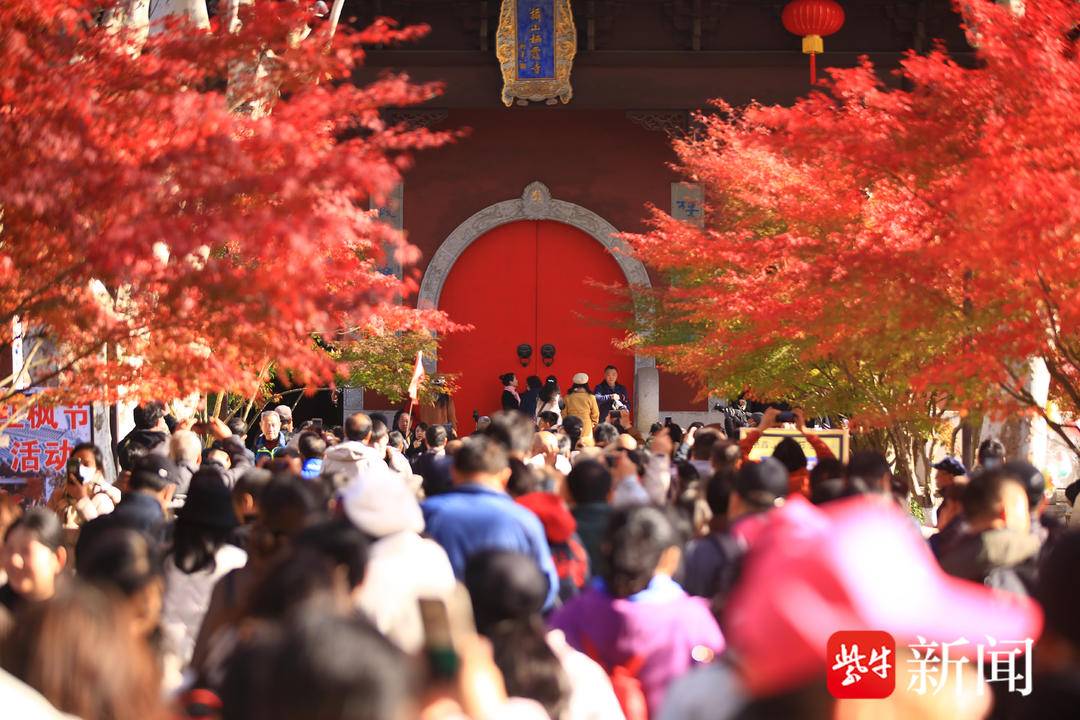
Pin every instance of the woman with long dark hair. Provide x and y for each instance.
(550, 398)
(201, 554)
(34, 556)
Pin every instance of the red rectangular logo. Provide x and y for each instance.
(861, 664)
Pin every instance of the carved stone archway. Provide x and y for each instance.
(536, 203)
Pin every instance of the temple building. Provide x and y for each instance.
(570, 107)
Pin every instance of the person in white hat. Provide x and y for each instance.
(402, 566)
(581, 403)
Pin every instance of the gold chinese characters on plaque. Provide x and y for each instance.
(535, 44)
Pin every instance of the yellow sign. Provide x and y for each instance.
(836, 440)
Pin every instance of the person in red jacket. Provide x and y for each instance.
(567, 550)
(792, 457)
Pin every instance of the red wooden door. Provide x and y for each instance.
(536, 283)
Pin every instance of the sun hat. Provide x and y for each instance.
(853, 564)
(380, 503)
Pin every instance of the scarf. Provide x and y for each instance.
(510, 389)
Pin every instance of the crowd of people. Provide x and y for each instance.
(547, 565)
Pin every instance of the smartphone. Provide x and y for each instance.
(786, 417)
(667, 420)
(72, 470)
(445, 625)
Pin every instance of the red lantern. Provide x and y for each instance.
(812, 20)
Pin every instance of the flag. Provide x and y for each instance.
(417, 376)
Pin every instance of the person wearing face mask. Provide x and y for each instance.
(84, 494)
(34, 556)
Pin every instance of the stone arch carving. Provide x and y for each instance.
(535, 203)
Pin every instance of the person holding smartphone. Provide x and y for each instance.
(84, 494)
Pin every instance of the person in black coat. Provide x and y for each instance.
(531, 396)
(510, 398)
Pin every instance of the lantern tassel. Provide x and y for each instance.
(813, 69)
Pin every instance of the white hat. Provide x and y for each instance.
(380, 503)
(580, 379)
(284, 411)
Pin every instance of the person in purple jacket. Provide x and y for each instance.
(635, 615)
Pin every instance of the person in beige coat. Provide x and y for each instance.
(581, 403)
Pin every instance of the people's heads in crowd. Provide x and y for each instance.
(705, 439)
(91, 462)
(150, 416)
(286, 505)
(380, 434)
(270, 425)
(718, 492)
(828, 481)
(758, 486)
(185, 448)
(994, 499)
(206, 520)
(870, 470)
(790, 453)
(513, 431)
(573, 426)
(80, 651)
(358, 428)
(991, 453)
(403, 423)
(605, 434)
(396, 441)
(237, 426)
(126, 564)
(1032, 479)
(311, 445)
(725, 455)
(1059, 594)
(285, 413)
(380, 504)
(508, 380)
(34, 554)
(325, 564)
(533, 382)
(216, 456)
(323, 668)
(481, 460)
(640, 542)
(245, 493)
(155, 475)
(580, 381)
(435, 437)
(611, 374)
(949, 471)
(508, 591)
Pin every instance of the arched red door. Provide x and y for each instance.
(535, 283)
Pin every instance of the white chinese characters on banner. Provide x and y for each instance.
(933, 664)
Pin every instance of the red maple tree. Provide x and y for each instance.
(157, 236)
(884, 252)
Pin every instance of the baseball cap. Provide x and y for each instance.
(762, 482)
(853, 564)
(951, 465)
(154, 470)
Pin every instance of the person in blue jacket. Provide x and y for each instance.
(478, 515)
(610, 394)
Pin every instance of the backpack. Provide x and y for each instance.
(571, 564)
(624, 681)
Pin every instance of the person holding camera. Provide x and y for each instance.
(788, 451)
(84, 494)
(610, 395)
